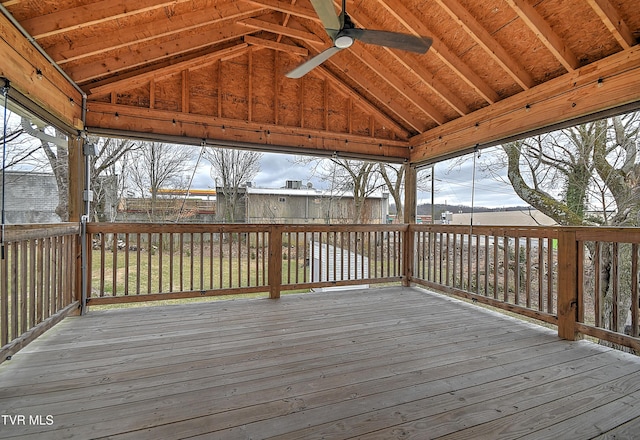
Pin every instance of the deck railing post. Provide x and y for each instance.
(568, 265)
(410, 206)
(275, 261)
(408, 254)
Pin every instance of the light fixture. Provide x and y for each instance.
(343, 42)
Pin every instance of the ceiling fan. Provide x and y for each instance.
(343, 33)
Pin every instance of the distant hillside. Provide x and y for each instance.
(425, 209)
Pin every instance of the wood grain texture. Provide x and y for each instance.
(377, 363)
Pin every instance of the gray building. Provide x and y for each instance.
(31, 197)
(302, 204)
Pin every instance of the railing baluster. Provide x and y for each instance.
(150, 252)
(615, 286)
(540, 274)
(138, 246)
(23, 287)
(635, 305)
(126, 264)
(13, 258)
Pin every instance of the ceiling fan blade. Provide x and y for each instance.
(327, 14)
(314, 62)
(393, 40)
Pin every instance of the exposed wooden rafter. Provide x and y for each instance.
(66, 20)
(614, 22)
(126, 59)
(545, 34)
(270, 44)
(86, 47)
(487, 42)
(278, 29)
(417, 27)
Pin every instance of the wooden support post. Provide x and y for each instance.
(76, 178)
(568, 266)
(76, 187)
(275, 261)
(410, 196)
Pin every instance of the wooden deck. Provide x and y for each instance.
(392, 363)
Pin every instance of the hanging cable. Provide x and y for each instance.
(3, 220)
(186, 194)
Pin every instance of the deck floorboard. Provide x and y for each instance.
(389, 363)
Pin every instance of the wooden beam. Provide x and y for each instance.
(127, 59)
(397, 83)
(270, 44)
(545, 34)
(602, 85)
(77, 48)
(414, 25)
(409, 217)
(141, 122)
(34, 77)
(487, 42)
(76, 178)
(162, 72)
(65, 20)
(281, 30)
(288, 8)
(412, 64)
(614, 22)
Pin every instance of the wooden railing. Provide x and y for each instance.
(507, 267)
(608, 283)
(39, 279)
(584, 280)
(146, 262)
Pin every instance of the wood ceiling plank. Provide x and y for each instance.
(616, 25)
(398, 84)
(390, 105)
(605, 84)
(91, 14)
(285, 7)
(85, 47)
(360, 101)
(545, 34)
(270, 44)
(417, 27)
(475, 30)
(143, 78)
(129, 58)
(281, 30)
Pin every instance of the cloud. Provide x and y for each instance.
(454, 181)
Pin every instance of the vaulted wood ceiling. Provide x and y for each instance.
(213, 71)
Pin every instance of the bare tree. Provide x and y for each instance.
(108, 171)
(233, 169)
(154, 165)
(568, 173)
(361, 178)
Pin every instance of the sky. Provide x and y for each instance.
(453, 181)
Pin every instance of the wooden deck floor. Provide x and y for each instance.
(388, 363)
